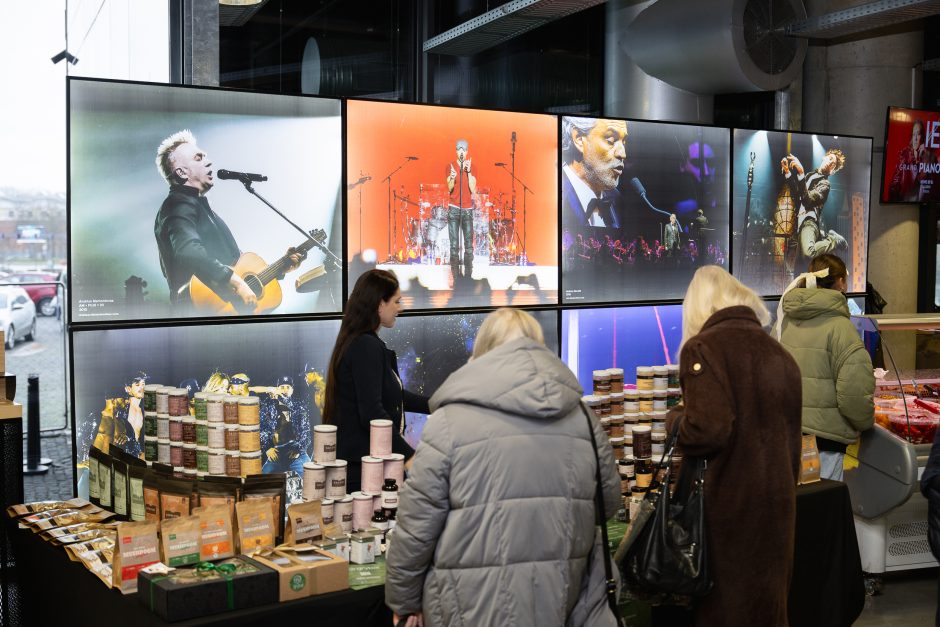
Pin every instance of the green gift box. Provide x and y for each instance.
(207, 588)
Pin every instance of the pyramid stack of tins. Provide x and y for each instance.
(175, 402)
(325, 479)
(151, 424)
(249, 435)
(230, 435)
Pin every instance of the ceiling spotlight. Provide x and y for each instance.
(65, 54)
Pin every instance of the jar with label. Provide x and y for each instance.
(660, 377)
(616, 426)
(336, 479)
(659, 443)
(216, 461)
(189, 456)
(215, 435)
(593, 404)
(150, 450)
(190, 473)
(673, 397)
(163, 400)
(178, 402)
(233, 464)
(659, 400)
(163, 427)
(659, 417)
(617, 445)
(631, 418)
(202, 433)
(326, 511)
(380, 522)
(202, 459)
(189, 430)
(601, 380)
(163, 452)
(176, 429)
(644, 378)
(390, 495)
(605, 425)
(642, 442)
(373, 474)
(249, 411)
(199, 405)
(150, 397)
(249, 438)
(380, 437)
(604, 406)
(673, 375)
(644, 472)
(176, 454)
(250, 463)
(150, 424)
(314, 482)
(628, 442)
(215, 408)
(232, 437)
(324, 443)
(616, 380)
(343, 513)
(395, 467)
(625, 469)
(230, 409)
(362, 510)
(616, 403)
(631, 400)
(646, 401)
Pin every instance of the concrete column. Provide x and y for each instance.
(631, 92)
(201, 42)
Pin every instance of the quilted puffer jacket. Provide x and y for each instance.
(496, 521)
(838, 382)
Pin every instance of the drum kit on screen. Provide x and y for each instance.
(421, 234)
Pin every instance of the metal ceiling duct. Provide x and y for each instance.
(718, 46)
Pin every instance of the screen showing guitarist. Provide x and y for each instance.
(193, 239)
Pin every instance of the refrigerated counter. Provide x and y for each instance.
(882, 470)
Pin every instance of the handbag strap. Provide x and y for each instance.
(601, 520)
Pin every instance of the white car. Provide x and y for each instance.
(17, 315)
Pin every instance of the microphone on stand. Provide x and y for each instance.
(514, 137)
(226, 175)
(641, 191)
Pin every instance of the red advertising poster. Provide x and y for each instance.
(912, 144)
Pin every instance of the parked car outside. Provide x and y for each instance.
(41, 295)
(17, 315)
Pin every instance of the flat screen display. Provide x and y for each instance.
(622, 337)
(911, 165)
(460, 203)
(797, 196)
(162, 212)
(643, 205)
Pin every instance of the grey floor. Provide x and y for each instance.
(908, 599)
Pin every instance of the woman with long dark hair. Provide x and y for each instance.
(362, 383)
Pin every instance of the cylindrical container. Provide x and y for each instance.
(150, 397)
(150, 424)
(636, 497)
(617, 445)
(249, 410)
(660, 377)
(616, 380)
(658, 420)
(644, 378)
(673, 375)
(163, 452)
(631, 401)
(189, 430)
(631, 418)
(336, 479)
(176, 429)
(163, 426)
(601, 382)
(178, 402)
(646, 401)
(314, 482)
(233, 464)
(390, 495)
(199, 405)
(659, 443)
(642, 442)
(249, 439)
(163, 400)
(673, 397)
(605, 425)
(178, 472)
(250, 463)
(216, 435)
(201, 475)
(216, 461)
(176, 454)
(380, 438)
(231, 437)
(189, 456)
(373, 474)
(625, 468)
(343, 513)
(628, 442)
(362, 510)
(593, 404)
(215, 408)
(605, 406)
(616, 403)
(644, 473)
(395, 468)
(230, 410)
(202, 433)
(190, 473)
(659, 400)
(324, 443)
(616, 426)
(150, 449)
(202, 459)
(327, 510)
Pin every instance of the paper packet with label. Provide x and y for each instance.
(256, 528)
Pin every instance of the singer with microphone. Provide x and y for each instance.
(461, 184)
(594, 151)
(192, 239)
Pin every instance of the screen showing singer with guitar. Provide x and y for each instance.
(191, 241)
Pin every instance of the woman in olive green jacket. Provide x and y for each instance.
(838, 382)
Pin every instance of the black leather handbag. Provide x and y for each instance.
(669, 556)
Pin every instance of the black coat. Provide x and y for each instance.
(368, 388)
(193, 240)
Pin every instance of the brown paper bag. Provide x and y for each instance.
(809, 461)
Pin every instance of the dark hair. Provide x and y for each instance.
(361, 316)
(837, 269)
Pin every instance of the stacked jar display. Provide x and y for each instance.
(249, 435)
(151, 428)
(181, 439)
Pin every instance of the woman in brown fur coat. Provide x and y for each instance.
(742, 407)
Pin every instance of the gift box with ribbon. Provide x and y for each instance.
(176, 594)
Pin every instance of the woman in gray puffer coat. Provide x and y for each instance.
(496, 522)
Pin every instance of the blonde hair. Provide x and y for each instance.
(713, 289)
(166, 149)
(504, 325)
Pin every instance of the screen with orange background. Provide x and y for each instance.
(381, 135)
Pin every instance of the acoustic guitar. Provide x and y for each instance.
(259, 276)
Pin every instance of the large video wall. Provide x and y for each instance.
(211, 232)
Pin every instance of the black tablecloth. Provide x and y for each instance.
(827, 588)
(56, 591)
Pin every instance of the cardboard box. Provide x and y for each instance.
(184, 593)
(327, 572)
(295, 580)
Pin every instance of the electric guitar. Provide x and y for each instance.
(259, 276)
